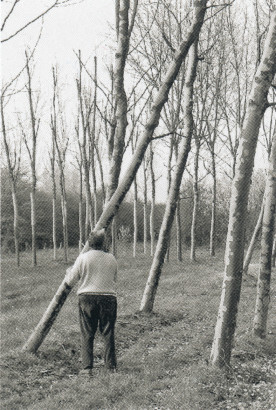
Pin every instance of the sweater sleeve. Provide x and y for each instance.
(73, 273)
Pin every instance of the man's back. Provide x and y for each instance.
(96, 271)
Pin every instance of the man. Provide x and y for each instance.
(96, 271)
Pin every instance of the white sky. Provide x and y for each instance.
(65, 30)
(81, 26)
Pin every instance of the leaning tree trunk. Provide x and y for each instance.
(263, 286)
(226, 321)
(44, 325)
(253, 240)
(184, 149)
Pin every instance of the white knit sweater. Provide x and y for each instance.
(96, 271)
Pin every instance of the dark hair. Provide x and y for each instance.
(96, 240)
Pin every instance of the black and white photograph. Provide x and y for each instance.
(138, 204)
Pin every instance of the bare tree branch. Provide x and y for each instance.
(9, 14)
(41, 15)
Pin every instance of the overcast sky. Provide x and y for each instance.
(65, 29)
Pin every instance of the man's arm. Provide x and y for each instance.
(73, 273)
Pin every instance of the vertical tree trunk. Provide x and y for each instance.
(253, 240)
(44, 325)
(185, 146)
(195, 204)
(54, 202)
(92, 145)
(145, 204)
(13, 168)
(64, 216)
(214, 208)
(135, 218)
(80, 211)
(33, 225)
(178, 232)
(32, 155)
(54, 227)
(263, 286)
(226, 321)
(169, 179)
(15, 224)
(152, 207)
(274, 251)
(121, 99)
(85, 118)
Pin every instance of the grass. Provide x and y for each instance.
(163, 358)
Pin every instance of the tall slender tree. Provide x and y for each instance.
(31, 146)
(257, 104)
(13, 156)
(184, 149)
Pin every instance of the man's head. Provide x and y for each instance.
(96, 239)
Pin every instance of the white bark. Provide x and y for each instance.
(263, 286)
(184, 149)
(226, 321)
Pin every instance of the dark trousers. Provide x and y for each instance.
(94, 310)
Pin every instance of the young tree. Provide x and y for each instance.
(54, 187)
(263, 286)
(257, 104)
(31, 147)
(184, 149)
(61, 141)
(13, 160)
(85, 109)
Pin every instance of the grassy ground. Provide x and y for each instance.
(163, 359)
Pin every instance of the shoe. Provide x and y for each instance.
(85, 372)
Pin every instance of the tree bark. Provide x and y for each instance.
(15, 224)
(13, 168)
(226, 321)
(178, 232)
(185, 146)
(152, 207)
(263, 286)
(32, 155)
(195, 203)
(121, 99)
(274, 251)
(113, 204)
(80, 210)
(145, 205)
(253, 240)
(214, 208)
(135, 218)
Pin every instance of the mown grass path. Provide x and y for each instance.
(162, 358)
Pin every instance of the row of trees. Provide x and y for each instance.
(125, 217)
(181, 84)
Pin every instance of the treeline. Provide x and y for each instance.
(124, 220)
